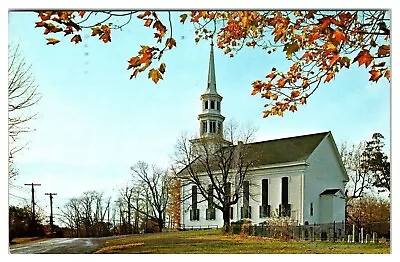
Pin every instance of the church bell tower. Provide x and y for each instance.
(210, 119)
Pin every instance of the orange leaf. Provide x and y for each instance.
(310, 14)
(40, 24)
(76, 39)
(268, 86)
(295, 93)
(330, 75)
(52, 41)
(134, 62)
(148, 22)
(281, 82)
(305, 84)
(141, 16)
(155, 75)
(303, 100)
(135, 73)
(266, 113)
(384, 50)
(82, 13)
(363, 57)
(375, 75)
(387, 74)
(257, 86)
(256, 90)
(162, 68)
(55, 29)
(333, 60)
(171, 42)
(338, 36)
(271, 75)
(293, 108)
(324, 23)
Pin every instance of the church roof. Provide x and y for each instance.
(284, 150)
(277, 151)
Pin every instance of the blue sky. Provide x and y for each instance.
(94, 123)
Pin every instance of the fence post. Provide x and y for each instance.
(374, 237)
(334, 232)
(348, 238)
(354, 233)
(366, 238)
(362, 235)
(314, 232)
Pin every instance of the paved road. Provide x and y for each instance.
(61, 246)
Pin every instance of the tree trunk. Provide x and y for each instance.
(160, 224)
(227, 224)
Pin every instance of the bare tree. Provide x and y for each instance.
(22, 95)
(156, 184)
(235, 132)
(85, 215)
(361, 180)
(126, 196)
(71, 215)
(216, 167)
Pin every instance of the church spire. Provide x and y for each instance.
(211, 119)
(211, 84)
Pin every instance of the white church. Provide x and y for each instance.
(301, 178)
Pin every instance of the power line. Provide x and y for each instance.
(22, 198)
(19, 188)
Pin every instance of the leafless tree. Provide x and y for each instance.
(71, 215)
(217, 168)
(156, 184)
(126, 196)
(85, 215)
(22, 96)
(235, 132)
(361, 180)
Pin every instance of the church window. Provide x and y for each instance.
(206, 104)
(212, 104)
(285, 189)
(194, 197)
(218, 105)
(246, 193)
(311, 209)
(264, 192)
(210, 196)
(213, 127)
(203, 127)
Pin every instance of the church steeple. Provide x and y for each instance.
(211, 84)
(211, 120)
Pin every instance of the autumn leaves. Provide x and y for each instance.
(319, 44)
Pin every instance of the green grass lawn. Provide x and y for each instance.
(216, 242)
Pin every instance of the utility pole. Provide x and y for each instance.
(51, 210)
(33, 202)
